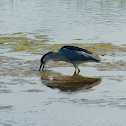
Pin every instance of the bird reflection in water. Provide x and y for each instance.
(68, 83)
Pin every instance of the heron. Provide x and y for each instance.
(71, 54)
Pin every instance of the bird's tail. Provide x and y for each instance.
(96, 58)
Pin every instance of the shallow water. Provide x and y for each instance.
(57, 96)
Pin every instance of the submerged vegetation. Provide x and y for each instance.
(19, 43)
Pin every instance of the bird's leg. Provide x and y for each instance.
(75, 71)
(76, 68)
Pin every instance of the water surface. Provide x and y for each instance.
(56, 96)
(66, 21)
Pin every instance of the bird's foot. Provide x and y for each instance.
(78, 70)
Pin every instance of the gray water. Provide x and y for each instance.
(56, 96)
(66, 20)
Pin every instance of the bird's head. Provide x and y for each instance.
(45, 58)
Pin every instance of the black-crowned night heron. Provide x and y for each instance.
(71, 54)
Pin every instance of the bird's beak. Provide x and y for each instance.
(41, 65)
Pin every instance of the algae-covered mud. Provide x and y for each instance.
(57, 96)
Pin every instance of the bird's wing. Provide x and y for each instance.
(77, 54)
(76, 49)
(74, 55)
